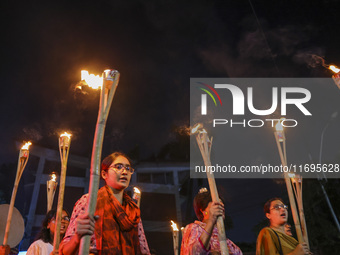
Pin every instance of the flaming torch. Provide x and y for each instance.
(137, 195)
(64, 149)
(22, 161)
(175, 237)
(281, 145)
(336, 75)
(108, 84)
(204, 144)
(51, 188)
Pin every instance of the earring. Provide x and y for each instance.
(205, 212)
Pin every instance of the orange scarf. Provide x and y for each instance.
(116, 229)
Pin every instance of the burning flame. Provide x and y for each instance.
(136, 190)
(93, 81)
(174, 226)
(26, 146)
(291, 175)
(334, 69)
(66, 134)
(53, 177)
(195, 128)
(279, 126)
(203, 131)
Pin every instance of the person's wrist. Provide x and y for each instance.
(77, 238)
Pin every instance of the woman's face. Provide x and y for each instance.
(65, 220)
(117, 176)
(277, 215)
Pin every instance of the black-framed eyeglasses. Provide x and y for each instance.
(65, 218)
(278, 207)
(120, 167)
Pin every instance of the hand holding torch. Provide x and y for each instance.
(281, 145)
(108, 85)
(204, 144)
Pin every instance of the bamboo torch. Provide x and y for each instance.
(22, 161)
(137, 195)
(51, 188)
(64, 149)
(108, 85)
(336, 75)
(297, 186)
(204, 144)
(175, 237)
(281, 145)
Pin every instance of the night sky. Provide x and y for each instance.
(157, 46)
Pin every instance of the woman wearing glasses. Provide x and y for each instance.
(44, 241)
(116, 227)
(273, 239)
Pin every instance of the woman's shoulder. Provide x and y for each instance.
(193, 225)
(40, 242)
(265, 232)
(39, 245)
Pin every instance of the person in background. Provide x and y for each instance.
(288, 229)
(44, 241)
(273, 239)
(116, 227)
(201, 237)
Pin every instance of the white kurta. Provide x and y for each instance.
(39, 247)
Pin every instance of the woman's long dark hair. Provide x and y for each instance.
(45, 233)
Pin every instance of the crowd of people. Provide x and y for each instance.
(116, 226)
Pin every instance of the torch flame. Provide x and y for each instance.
(279, 126)
(203, 131)
(195, 128)
(66, 134)
(53, 177)
(26, 146)
(93, 81)
(136, 190)
(291, 175)
(174, 226)
(334, 69)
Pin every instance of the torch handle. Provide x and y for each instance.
(294, 209)
(22, 161)
(292, 203)
(10, 213)
(175, 241)
(214, 193)
(106, 98)
(64, 151)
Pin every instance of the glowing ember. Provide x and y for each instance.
(53, 177)
(26, 146)
(66, 134)
(136, 190)
(174, 226)
(93, 81)
(195, 128)
(334, 69)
